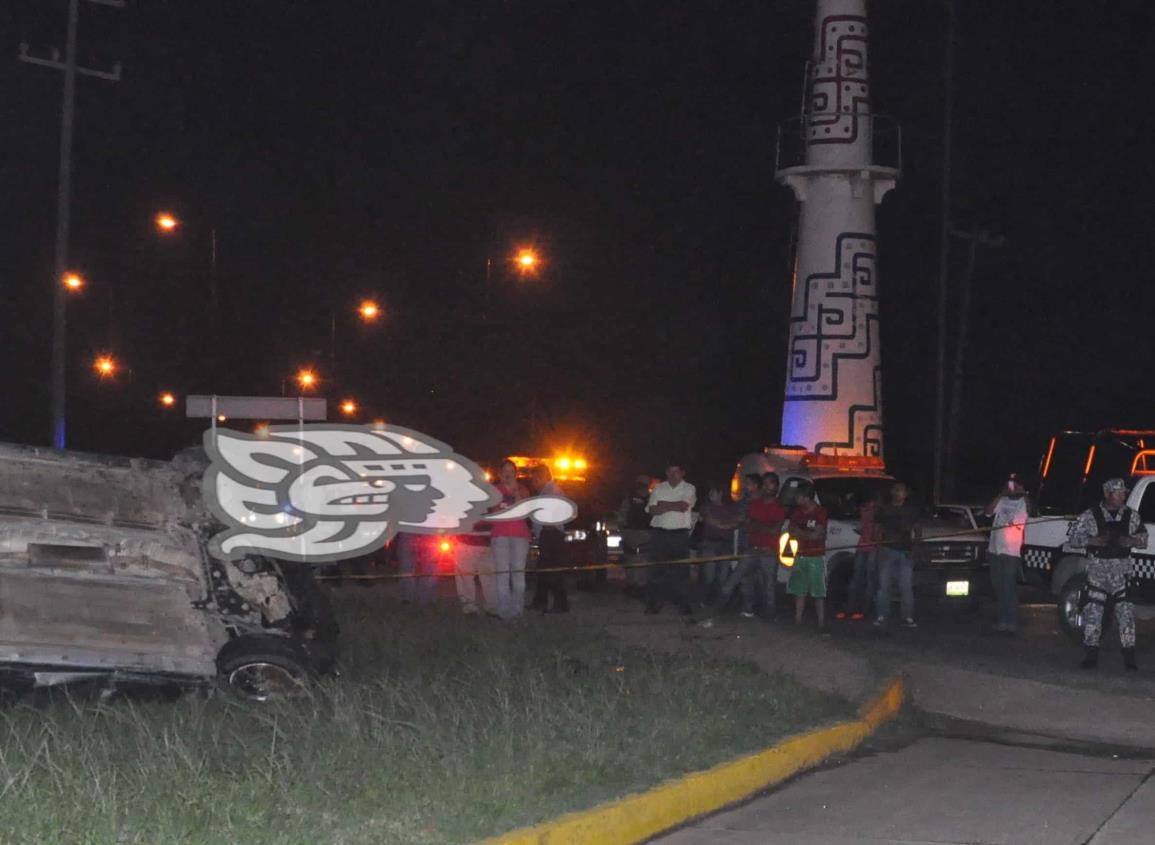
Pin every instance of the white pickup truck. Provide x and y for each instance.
(949, 559)
(1047, 555)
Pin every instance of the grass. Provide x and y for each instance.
(443, 729)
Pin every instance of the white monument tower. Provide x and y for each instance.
(839, 159)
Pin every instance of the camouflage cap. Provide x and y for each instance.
(1114, 485)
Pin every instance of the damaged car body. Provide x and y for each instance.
(105, 576)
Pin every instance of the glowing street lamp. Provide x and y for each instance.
(167, 400)
(307, 379)
(74, 282)
(527, 261)
(349, 407)
(166, 222)
(369, 310)
(105, 366)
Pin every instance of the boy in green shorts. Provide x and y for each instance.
(807, 525)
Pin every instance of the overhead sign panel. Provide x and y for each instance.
(306, 408)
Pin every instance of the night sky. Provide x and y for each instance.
(343, 149)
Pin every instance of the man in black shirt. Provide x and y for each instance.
(635, 531)
(897, 521)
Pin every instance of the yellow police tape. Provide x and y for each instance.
(636, 818)
(594, 567)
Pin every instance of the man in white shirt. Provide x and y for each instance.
(1004, 554)
(670, 508)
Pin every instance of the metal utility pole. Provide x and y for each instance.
(944, 246)
(64, 198)
(977, 237)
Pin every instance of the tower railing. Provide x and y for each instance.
(883, 133)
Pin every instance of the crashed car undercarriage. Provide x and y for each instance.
(104, 575)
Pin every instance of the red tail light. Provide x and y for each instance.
(445, 558)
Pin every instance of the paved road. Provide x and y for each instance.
(949, 792)
(1040, 651)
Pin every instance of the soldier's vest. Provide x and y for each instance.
(1113, 531)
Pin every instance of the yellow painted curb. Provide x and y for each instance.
(636, 818)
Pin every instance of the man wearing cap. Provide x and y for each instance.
(1004, 554)
(1108, 532)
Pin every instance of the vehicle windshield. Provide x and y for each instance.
(842, 497)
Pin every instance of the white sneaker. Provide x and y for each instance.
(746, 614)
(909, 623)
(878, 622)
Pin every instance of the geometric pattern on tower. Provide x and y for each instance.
(838, 87)
(863, 425)
(838, 321)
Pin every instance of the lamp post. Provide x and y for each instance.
(369, 311)
(167, 224)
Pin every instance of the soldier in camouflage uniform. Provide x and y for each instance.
(1108, 532)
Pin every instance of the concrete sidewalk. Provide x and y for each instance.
(1072, 713)
(949, 792)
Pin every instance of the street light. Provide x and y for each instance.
(105, 366)
(166, 222)
(527, 261)
(167, 399)
(369, 310)
(74, 282)
(307, 379)
(349, 407)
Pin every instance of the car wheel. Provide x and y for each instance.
(263, 669)
(1072, 598)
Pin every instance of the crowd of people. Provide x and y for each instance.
(489, 561)
(681, 553)
(739, 554)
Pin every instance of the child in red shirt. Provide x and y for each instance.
(807, 525)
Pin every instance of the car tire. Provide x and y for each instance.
(1072, 598)
(262, 668)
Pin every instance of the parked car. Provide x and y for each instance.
(105, 578)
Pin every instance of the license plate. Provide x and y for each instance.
(958, 588)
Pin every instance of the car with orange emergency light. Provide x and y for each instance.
(1072, 471)
(585, 536)
(949, 558)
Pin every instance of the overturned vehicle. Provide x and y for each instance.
(105, 578)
